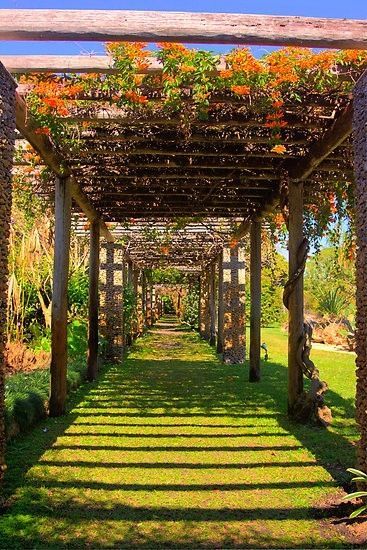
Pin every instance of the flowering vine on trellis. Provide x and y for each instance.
(190, 85)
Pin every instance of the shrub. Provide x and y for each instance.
(190, 314)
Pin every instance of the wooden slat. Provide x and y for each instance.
(103, 64)
(337, 133)
(43, 145)
(208, 28)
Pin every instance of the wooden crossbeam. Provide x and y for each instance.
(103, 64)
(208, 28)
(43, 145)
(340, 130)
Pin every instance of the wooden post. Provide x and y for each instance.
(255, 290)
(220, 305)
(212, 303)
(93, 306)
(296, 298)
(60, 297)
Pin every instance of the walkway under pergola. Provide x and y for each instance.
(184, 192)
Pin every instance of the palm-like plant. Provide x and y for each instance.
(361, 476)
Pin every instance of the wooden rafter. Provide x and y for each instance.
(43, 145)
(213, 28)
(337, 133)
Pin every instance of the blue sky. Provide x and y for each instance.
(356, 9)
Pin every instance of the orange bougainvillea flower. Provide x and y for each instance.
(280, 149)
(227, 73)
(233, 243)
(135, 97)
(44, 130)
(241, 90)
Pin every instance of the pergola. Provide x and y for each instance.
(135, 174)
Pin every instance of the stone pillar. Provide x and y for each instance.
(204, 305)
(7, 140)
(154, 305)
(140, 303)
(148, 302)
(93, 303)
(255, 291)
(111, 298)
(212, 288)
(360, 162)
(220, 305)
(296, 297)
(234, 326)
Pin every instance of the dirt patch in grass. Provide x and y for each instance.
(19, 358)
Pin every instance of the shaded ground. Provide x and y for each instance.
(174, 449)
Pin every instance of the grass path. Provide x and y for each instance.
(174, 449)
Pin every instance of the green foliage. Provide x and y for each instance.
(330, 283)
(361, 477)
(190, 314)
(130, 308)
(168, 275)
(78, 288)
(273, 278)
(332, 302)
(168, 305)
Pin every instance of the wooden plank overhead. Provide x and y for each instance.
(206, 28)
(74, 64)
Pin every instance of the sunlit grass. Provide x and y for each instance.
(174, 449)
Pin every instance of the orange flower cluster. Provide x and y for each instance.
(280, 149)
(241, 60)
(241, 90)
(132, 51)
(43, 130)
(134, 97)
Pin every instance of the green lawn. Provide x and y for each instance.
(174, 449)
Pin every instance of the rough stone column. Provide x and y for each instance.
(234, 326)
(204, 305)
(140, 303)
(148, 303)
(255, 292)
(360, 151)
(154, 305)
(111, 298)
(7, 140)
(212, 288)
(220, 305)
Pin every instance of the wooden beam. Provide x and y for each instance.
(58, 386)
(255, 292)
(208, 28)
(43, 145)
(340, 130)
(24, 64)
(93, 305)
